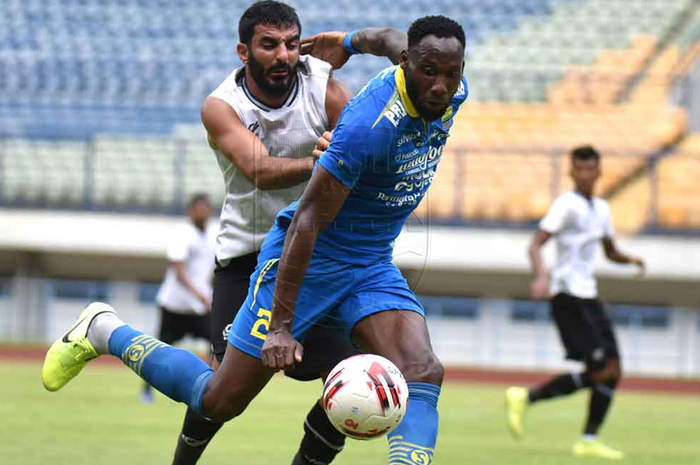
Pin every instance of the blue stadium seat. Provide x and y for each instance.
(69, 53)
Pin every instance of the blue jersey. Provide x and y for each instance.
(387, 155)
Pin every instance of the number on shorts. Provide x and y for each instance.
(262, 322)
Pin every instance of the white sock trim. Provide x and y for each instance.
(323, 440)
(101, 329)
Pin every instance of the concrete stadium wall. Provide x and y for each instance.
(489, 265)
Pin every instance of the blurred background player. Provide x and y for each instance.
(263, 122)
(579, 221)
(184, 297)
(375, 303)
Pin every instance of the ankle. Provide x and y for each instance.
(101, 329)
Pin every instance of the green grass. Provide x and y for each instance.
(98, 419)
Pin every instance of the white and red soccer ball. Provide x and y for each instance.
(365, 396)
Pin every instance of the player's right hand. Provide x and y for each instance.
(205, 301)
(281, 351)
(322, 144)
(642, 268)
(327, 46)
(539, 288)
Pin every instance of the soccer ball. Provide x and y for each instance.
(365, 396)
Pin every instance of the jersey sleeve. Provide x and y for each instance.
(178, 246)
(553, 222)
(353, 146)
(608, 228)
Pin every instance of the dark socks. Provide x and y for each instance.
(321, 441)
(561, 385)
(196, 434)
(601, 398)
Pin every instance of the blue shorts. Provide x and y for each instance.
(338, 295)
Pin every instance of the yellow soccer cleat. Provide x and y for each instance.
(595, 448)
(71, 352)
(516, 405)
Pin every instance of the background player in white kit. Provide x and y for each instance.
(263, 122)
(184, 297)
(579, 222)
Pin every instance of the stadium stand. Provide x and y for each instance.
(100, 117)
(678, 188)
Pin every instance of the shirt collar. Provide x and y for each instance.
(403, 93)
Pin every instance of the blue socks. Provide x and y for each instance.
(177, 373)
(413, 441)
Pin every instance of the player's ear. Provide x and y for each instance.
(403, 60)
(243, 51)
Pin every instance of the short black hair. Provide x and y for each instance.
(585, 153)
(439, 26)
(198, 197)
(266, 12)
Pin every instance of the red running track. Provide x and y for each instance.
(462, 374)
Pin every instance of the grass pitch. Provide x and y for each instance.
(98, 419)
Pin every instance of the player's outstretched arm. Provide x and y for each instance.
(613, 254)
(333, 48)
(539, 288)
(245, 150)
(322, 200)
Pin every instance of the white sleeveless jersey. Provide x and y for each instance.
(288, 131)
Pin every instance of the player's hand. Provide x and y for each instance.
(539, 288)
(322, 144)
(281, 350)
(205, 301)
(640, 265)
(327, 46)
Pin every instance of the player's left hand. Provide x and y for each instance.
(327, 46)
(281, 350)
(322, 144)
(640, 264)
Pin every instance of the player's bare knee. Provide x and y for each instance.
(429, 370)
(225, 411)
(609, 373)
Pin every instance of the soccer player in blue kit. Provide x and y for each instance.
(329, 256)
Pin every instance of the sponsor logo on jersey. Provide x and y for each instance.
(449, 113)
(253, 127)
(421, 162)
(400, 201)
(395, 112)
(417, 181)
(448, 119)
(407, 138)
(407, 155)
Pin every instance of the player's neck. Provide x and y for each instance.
(587, 195)
(201, 225)
(264, 97)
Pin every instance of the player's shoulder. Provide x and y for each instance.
(566, 201)
(230, 85)
(566, 197)
(371, 109)
(184, 231)
(601, 204)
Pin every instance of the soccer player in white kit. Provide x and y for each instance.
(579, 222)
(184, 296)
(263, 122)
